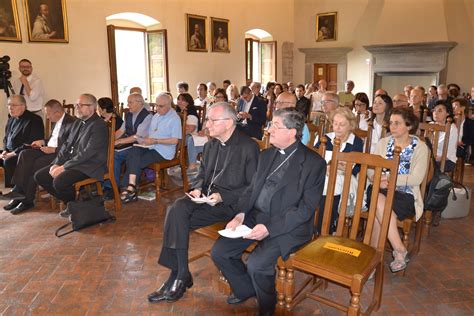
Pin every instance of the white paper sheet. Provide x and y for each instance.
(239, 232)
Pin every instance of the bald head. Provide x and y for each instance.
(380, 92)
(322, 84)
(285, 100)
(400, 101)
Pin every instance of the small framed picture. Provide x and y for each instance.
(326, 26)
(220, 35)
(196, 33)
(47, 21)
(9, 26)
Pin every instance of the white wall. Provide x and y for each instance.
(82, 65)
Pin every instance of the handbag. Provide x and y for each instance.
(85, 213)
(439, 187)
(459, 201)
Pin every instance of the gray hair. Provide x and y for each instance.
(138, 97)
(292, 118)
(21, 99)
(167, 97)
(90, 98)
(333, 96)
(229, 110)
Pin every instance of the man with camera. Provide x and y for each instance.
(29, 86)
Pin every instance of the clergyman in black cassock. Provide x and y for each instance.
(229, 161)
(279, 206)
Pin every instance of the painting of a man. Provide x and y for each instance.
(196, 28)
(220, 35)
(47, 20)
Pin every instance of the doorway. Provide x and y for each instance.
(326, 72)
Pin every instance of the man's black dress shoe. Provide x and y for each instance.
(160, 294)
(23, 206)
(11, 205)
(178, 288)
(232, 299)
(12, 196)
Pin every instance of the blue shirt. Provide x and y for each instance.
(166, 126)
(305, 137)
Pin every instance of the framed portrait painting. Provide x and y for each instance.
(47, 21)
(220, 35)
(9, 26)
(326, 27)
(196, 33)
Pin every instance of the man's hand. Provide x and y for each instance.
(215, 197)
(195, 193)
(236, 221)
(48, 150)
(244, 115)
(24, 80)
(8, 155)
(56, 171)
(259, 232)
(37, 143)
(52, 168)
(146, 141)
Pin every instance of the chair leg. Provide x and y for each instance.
(157, 186)
(289, 288)
(418, 234)
(280, 284)
(406, 233)
(117, 201)
(427, 223)
(354, 307)
(184, 176)
(377, 295)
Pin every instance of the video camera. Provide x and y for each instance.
(5, 74)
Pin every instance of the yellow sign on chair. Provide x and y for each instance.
(343, 249)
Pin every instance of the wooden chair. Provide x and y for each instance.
(68, 108)
(358, 116)
(346, 260)
(109, 175)
(313, 130)
(201, 111)
(366, 136)
(432, 132)
(178, 160)
(123, 111)
(152, 107)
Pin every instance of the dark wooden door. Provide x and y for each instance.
(327, 72)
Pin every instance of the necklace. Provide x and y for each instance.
(281, 164)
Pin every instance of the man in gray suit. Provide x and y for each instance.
(82, 156)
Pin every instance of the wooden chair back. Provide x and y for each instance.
(152, 107)
(68, 108)
(366, 136)
(358, 116)
(432, 132)
(201, 111)
(313, 130)
(366, 162)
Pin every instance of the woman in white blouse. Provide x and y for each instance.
(381, 109)
(441, 112)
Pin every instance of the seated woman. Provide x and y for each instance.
(194, 142)
(381, 109)
(106, 109)
(361, 105)
(441, 112)
(465, 127)
(163, 135)
(407, 201)
(220, 95)
(185, 101)
(343, 123)
(233, 94)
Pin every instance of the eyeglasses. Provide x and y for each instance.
(213, 121)
(275, 126)
(82, 104)
(327, 101)
(161, 105)
(13, 104)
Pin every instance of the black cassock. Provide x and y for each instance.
(226, 168)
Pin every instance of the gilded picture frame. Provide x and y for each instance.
(196, 30)
(9, 23)
(220, 39)
(46, 21)
(326, 26)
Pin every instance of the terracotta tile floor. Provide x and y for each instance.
(109, 270)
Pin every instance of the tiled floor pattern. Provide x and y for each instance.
(109, 270)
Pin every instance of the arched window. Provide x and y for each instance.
(260, 52)
(137, 55)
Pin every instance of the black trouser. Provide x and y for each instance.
(62, 187)
(29, 161)
(9, 166)
(255, 278)
(181, 218)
